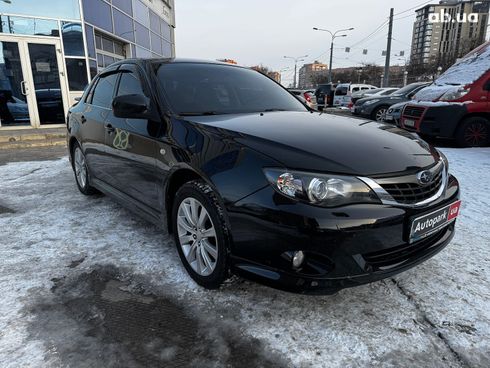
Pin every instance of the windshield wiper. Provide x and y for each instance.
(199, 113)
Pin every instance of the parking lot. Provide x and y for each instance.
(86, 283)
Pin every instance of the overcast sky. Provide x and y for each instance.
(263, 31)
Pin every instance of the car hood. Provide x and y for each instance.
(325, 143)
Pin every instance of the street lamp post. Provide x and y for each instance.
(296, 59)
(334, 36)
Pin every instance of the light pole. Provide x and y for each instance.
(334, 36)
(296, 59)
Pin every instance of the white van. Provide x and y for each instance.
(344, 91)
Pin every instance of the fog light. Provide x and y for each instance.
(298, 258)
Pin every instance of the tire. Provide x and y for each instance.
(473, 132)
(80, 169)
(206, 258)
(379, 113)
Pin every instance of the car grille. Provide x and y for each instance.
(413, 111)
(392, 257)
(410, 193)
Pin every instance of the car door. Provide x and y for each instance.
(95, 112)
(131, 145)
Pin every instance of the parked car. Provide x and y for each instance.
(344, 91)
(324, 95)
(394, 113)
(249, 180)
(375, 107)
(457, 105)
(306, 96)
(369, 93)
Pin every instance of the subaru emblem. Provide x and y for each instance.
(424, 177)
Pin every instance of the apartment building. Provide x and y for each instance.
(448, 30)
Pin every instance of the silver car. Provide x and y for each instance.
(307, 96)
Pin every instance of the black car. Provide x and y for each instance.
(375, 107)
(324, 95)
(249, 181)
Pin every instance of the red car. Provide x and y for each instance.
(457, 104)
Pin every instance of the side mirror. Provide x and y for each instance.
(131, 106)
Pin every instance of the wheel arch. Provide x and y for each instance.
(178, 178)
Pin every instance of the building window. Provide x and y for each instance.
(89, 35)
(124, 5)
(65, 9)
(123, 25)
(98, 13)
(72, 39)
(29, 26)
(140, 12)
(142, 35)
(108, 50)
(77, 74)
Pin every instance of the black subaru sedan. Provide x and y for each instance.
(250, 181)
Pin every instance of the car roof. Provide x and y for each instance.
(171, 61)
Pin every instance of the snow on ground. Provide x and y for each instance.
(435, 315)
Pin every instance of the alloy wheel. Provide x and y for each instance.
(80, 168)
(197, 236)
(380, 114)
(476, 134)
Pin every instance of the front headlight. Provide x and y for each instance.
(454, 94)
(370, 102)
(320, 189)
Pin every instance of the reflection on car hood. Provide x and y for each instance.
(325, 143)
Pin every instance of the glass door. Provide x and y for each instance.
(33, 88)
(46, 82)
(14, 103)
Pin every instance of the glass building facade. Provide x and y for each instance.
(49, 50)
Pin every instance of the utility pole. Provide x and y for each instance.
(296, 59)
(386, 81)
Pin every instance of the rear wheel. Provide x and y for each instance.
(81, 172)
(201, 234)
(379, 113)
(473, 132)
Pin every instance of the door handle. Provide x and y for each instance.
(83, 119)
(109, 128)
(23, 88)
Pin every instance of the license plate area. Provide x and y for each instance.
(425, 225)
(409, 123)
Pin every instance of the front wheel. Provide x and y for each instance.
(379, 113)
(473, 132)
(201, 234)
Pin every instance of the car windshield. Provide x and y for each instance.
(341, 91)
(214, 89)
(404, 90)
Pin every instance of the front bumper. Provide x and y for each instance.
(437, 121)
(344, 247)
